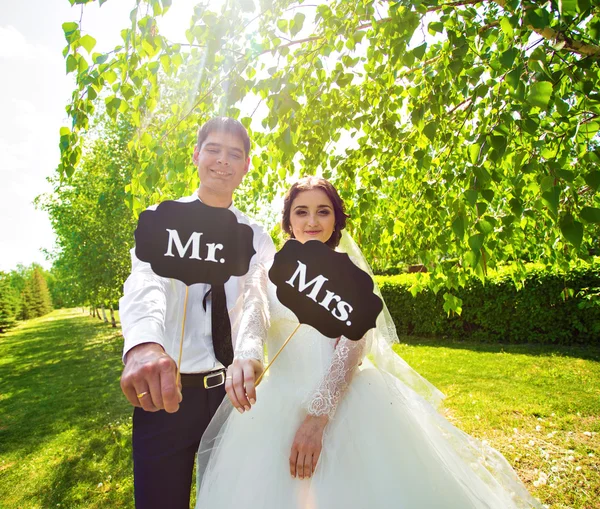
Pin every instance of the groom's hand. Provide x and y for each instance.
(151, 374)
(240, 383)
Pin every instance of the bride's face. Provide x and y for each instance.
(312, 216)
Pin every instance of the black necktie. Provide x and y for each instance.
(221, 326)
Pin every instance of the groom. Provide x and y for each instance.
(169, 420)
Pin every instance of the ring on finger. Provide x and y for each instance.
(142, 394)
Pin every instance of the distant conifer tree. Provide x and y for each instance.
(9, 302)
(35, 297)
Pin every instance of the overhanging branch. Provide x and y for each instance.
(557, 37)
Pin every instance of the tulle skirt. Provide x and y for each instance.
(385, 447)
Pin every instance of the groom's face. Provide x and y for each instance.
(222, 162)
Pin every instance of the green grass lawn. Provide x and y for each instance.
(65, 426)
(538, 405)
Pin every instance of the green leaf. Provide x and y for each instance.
(69, 28)
(82, 65)
(572, 230)
(567, 175)
(583, 5)
(590, 214)
(516, 206)
(538, 18)
(539, 94)
(398, 227)
(458, 227)
(435, 27)
(513, 78)
(589, 129)
(567, 7)
(476, 241)
(99, 58)
(429, 130)
(288, 145)
(547, 183)
(419, 51)
(282, 24)
(110, 76)
(506, 27)
(472, 258)
(485, 227)
(298, 22)
(452, 304)
(507, 59)
(474, 152)
(592, 179)
(488, 195)
(88, 42)
(471, 196)
(71, 63)
(499, 143)
(64, 143)
(551, 198)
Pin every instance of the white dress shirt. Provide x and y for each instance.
(151, 309)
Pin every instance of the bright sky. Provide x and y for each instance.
(34, 91)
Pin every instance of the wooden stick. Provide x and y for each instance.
(182, 330)
(276, 355)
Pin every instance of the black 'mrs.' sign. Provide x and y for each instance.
(323, 288)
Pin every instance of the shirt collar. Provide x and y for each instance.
(196, 197)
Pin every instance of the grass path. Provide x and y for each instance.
(65, 426)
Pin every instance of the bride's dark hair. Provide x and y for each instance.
(308, 184)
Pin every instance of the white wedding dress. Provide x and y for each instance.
(385, 445)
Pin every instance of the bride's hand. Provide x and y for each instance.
(240, 383)
(307, 446)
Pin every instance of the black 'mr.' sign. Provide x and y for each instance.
(193, 242)
(323, 288)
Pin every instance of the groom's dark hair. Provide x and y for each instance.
(307, 184)
(227, 125)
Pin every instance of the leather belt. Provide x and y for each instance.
(207, 380)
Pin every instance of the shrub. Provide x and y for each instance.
(550, 307)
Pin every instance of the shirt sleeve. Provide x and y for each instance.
(142, 309)
(346, 358)
(255, 313)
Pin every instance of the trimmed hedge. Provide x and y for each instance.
(497, 312)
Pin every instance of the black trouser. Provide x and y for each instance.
(165, 446)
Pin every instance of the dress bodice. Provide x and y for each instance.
(306, 357)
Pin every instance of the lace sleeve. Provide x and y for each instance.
(255, 315)
(346, 358)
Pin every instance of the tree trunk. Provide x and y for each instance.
(112, 318)
(98, 314)
(104, 314)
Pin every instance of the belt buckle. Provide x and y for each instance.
(207, 377)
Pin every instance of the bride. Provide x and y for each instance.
(339, 423)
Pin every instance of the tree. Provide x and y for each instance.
(35, 297)
(9, 302)
(93, 222)
(469, 147)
